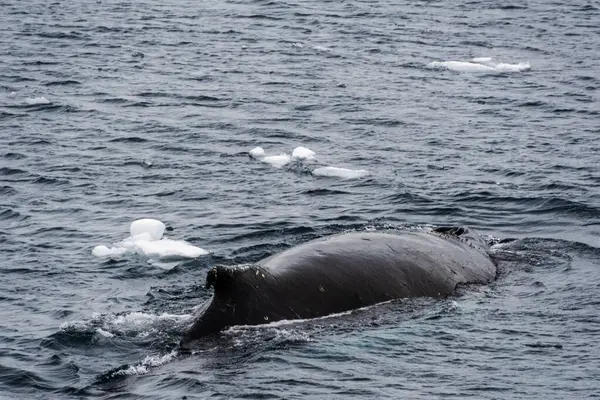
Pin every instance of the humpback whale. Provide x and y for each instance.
(339, 273)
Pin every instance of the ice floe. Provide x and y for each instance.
(308, 158)
(480, 65)
(337, 172)
(147, 240)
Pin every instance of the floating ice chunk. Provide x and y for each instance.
(153, 227)
(168, 248)
(147, 240)
(480, 64)
(103, 251)
(37, 100)
(302, 153)
(257, 153)
(321, 48)
(461, 66)
(277, 161)
(104, 333)
(482, 60)
(343, 173)
(502, 67)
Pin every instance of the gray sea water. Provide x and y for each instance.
(112, 111)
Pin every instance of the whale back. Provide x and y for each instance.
(342, 272)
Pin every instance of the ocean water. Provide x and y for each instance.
(420, 113)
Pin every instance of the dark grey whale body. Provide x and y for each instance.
(342, 272)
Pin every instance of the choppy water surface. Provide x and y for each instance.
(112, 111)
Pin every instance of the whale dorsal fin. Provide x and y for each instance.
(222, 277)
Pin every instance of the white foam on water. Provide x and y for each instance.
(133, 370)
(336, 172)
(302, 153)
(133, 321)
(480, 65)
(278, 161)
(146, 364)
(73, 326)
(132, 324)
(237, 334)
(37, 100)
(137, 320)
(158, 360)
(147, 240)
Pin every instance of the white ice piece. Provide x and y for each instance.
(302, 153)
(277, 161)
(147, 240)
(461, 66)
(168, 248)
(343, 173)
(480, 65)
(153, 227)
(37, 100)
(257, 153)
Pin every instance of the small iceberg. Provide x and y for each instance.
(147, 240)
(307, 157)
(257, 153)
(479, 65)
(344, 173)
(302, 153)
(281, 160)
